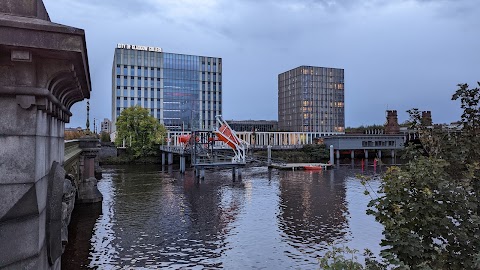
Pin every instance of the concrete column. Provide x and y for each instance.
(43, 72)
(332, 161)
(352, 154)
(170, 158)
(338, 154)
(163, 158)
(393, 153)
(233, 174)
(182, 164)
(239, 174)
(366, 153)
(202, 173)
(379, 154)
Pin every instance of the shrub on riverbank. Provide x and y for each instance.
(308, 154)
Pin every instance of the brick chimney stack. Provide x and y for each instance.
(392, 127)
(427, 118)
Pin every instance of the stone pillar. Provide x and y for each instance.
(393, 153)
(87, 191)
(366, 153)
(163, 158)
(352, 154)
(43, 72)
(379, 154)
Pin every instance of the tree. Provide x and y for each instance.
(104, 137)
(430, 207)
(139, 130)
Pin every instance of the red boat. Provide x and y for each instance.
(313, 168)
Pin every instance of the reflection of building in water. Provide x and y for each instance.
(312, 208)
(157, 219)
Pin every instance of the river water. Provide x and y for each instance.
(154, 218)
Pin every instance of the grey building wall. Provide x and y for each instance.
(183, 92)
(311, 99)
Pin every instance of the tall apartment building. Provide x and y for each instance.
(311, 99)
(106, 126)
(183, 92)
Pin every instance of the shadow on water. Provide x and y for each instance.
(80, 230)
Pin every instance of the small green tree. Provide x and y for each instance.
(104, 137)
(139, 130)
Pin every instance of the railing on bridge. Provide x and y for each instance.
(72, 154)
(261, 140)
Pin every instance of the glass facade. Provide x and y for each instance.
(183, 92)
(311, 99)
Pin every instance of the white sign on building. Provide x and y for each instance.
(139, 48)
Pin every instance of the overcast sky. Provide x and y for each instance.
(397, 54)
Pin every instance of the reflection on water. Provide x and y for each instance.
(269, 220)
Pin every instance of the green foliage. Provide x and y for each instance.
(139, 130)
(362, 129)
(429, 219)
(104, 137)
(317, 152)
(340, 258)
(430, 207)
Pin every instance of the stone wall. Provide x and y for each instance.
(43, 72)
(107, 150)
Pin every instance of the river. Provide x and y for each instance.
(154, 218)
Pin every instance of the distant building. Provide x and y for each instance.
(311, 99)
(106, 126)
(183, 92)
(253, 125)
(392, 127)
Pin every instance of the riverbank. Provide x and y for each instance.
(312, 153)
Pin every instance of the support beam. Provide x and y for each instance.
(170, 158)
(332, 161)
(182, 164)
(269, 149)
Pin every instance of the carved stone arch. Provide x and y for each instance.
(66, 92)
(71, 99)
(58, 76)
(65, 81)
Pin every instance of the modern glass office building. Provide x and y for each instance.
(311, 99)
(183, 92)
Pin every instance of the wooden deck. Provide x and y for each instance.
(299, 166)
